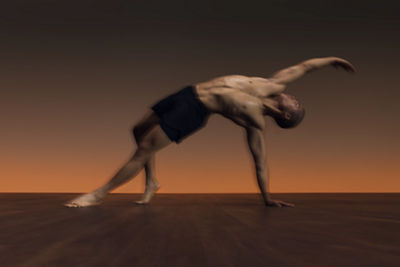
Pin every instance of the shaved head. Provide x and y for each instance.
(292, 111)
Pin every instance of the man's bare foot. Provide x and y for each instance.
(151, 189)
(85, 200)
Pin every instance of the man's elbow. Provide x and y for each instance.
(306, 66)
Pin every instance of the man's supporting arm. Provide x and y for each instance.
(293, 73)
(255, 139)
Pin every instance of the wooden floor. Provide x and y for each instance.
(201, 230)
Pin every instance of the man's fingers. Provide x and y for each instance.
(278, 203)
(350, 67)
(287, 204)
(345, 65)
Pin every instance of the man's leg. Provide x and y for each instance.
(140, 129)
(152, 185)
(154, 140)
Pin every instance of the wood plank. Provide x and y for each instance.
(201, 230)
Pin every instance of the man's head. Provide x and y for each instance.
(291, 111)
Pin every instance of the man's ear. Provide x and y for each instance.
(287, 115)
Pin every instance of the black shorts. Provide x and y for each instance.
(181, 113)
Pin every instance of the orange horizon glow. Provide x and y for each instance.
(196, 167)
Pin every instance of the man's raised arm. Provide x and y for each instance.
(255, 139)
(292, 73)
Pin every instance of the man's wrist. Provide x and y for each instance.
(267, 198)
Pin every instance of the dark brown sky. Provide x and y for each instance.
(76, 75)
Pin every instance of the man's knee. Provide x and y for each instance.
(138, 131)
(141, 128)
(151, 141)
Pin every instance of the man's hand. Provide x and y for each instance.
(278, 203)
(339, 62)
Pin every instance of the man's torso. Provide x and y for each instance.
(238, 98)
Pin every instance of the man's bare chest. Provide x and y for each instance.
(240, 107)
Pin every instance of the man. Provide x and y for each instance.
(244, 100)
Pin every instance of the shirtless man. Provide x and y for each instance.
(244, 100)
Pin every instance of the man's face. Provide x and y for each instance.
(288, 102)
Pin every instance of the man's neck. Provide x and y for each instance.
(270, 106)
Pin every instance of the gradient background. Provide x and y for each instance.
(77, 75)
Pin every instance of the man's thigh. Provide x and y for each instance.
(148, 121)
